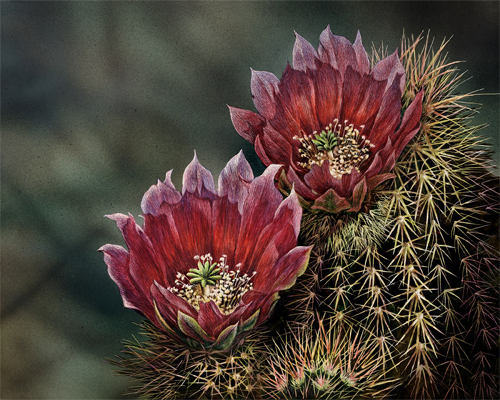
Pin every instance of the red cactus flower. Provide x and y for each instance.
(333, 121)
(207, 264)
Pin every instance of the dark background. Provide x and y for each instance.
(100, 99)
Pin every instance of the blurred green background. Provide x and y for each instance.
(100, 99)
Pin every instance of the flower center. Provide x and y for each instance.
(213, 281)
(341, 145)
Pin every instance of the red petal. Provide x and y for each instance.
(320, 180)
(388, 117)
(193, 218)
(328, 89)
(277, 149)
(198, 180)
(169, 304)
(261, 152)
(226, 228)
(295, 105)
(293, 264)
(376, 180)
(358, 196)
(388, 69)
(300, 186)
(210, 318)
(304, 54)
(264, 86)
(362, 97)
(163, 192)
(247, 123)
(117, 260)
(258, 211)
(410, 124)
(276, 239)
(143, 265)
(164, 237)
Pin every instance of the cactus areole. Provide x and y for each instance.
(169, 273)
(333, 121)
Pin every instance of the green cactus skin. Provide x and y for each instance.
(419, 272)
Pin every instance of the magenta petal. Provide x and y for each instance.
(337, 51)
(361, 55)
(163, 192)
(304, 54)
(264, 86)
(198, 180)
(388, 69)
(247, 123)
(232, 179)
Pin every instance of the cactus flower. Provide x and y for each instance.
(334, 122)
(207, 264)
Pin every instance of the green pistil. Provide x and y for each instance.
(205, 274)
(326, 140)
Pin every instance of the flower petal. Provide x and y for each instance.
(198, 180)
(169, 304)
(329, 94)
(258, 211)
(387, 69)
(141, 253)
(162, 192)
(233, 177)
(304, 54)
(293, 264)
(410, 125)
(117, 260)
(358, 195)
(361, 55)
(337, 51)
(247, 123)
(388, 117)
(264, 86)
(295, 105)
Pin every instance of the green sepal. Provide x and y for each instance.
(190, 327)
(331, 202)
(226, 338)
(249, 324)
